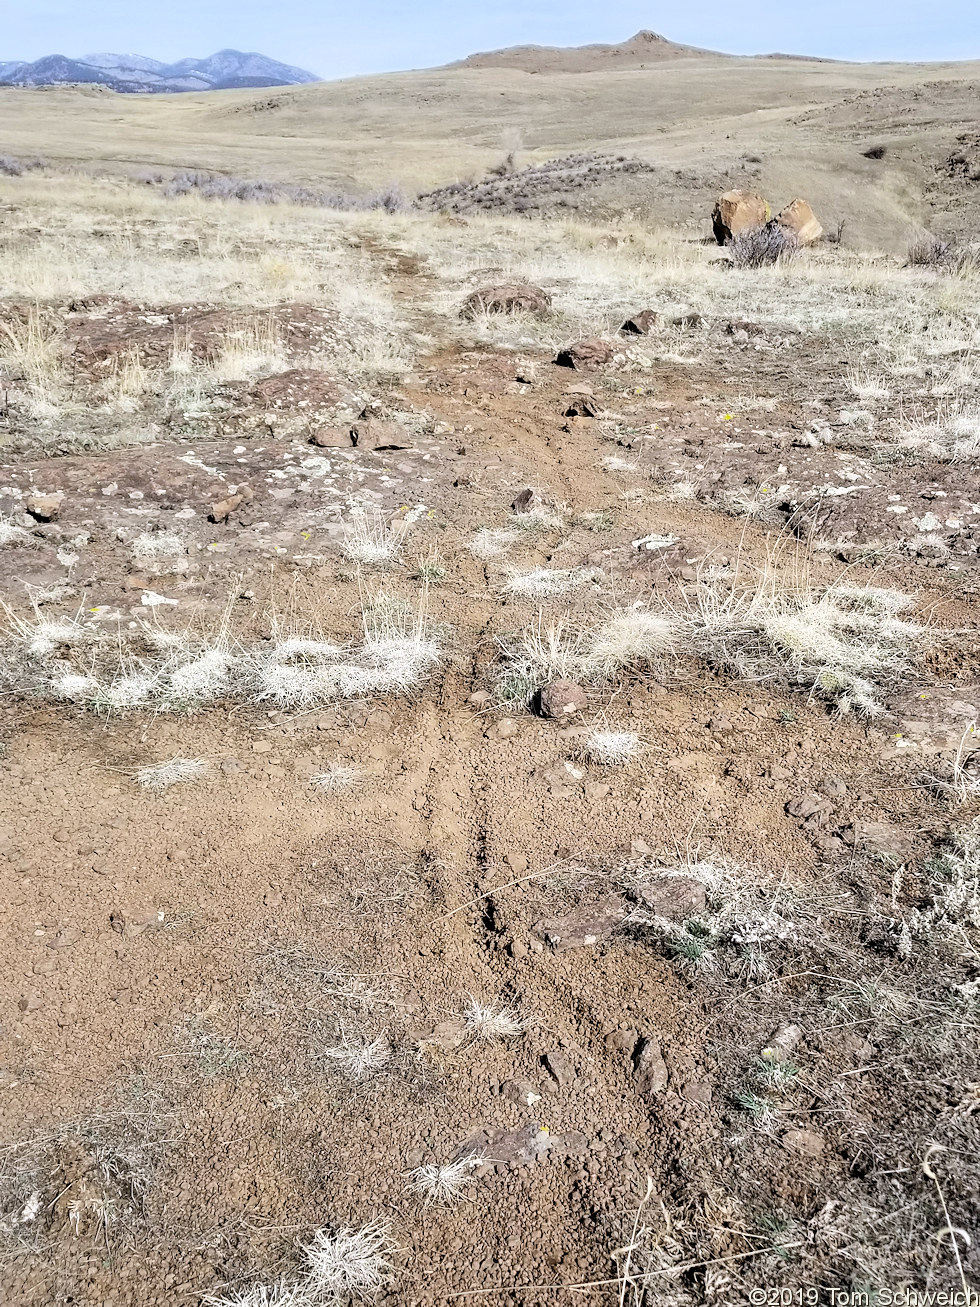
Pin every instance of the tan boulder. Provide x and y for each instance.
(738, 211)
(800, 220)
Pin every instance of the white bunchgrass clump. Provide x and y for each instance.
(280, 1294)
(340, 1265)
(162, 550)
(68, 659)
(348, 1263)
(74, 686)
(633, 636)
(612, 748)
(959, 779)
(953, 435)
(741, 913)
(336, 779)
(446, 1183)
(359, 1059)
(491, 542)
(201, 680)
(539, 653)
(545, 581)
(11, 534)
(132, 690)
(369, 540)
(863, 385)
(253, 349)
(397, 654)
(161, 775)
(488, 1021)
(556, 650)
(49, 635)
(842, 643)
(953, 915)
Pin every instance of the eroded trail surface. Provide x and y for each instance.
(242, 1008)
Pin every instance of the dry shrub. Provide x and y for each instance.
(763, 247)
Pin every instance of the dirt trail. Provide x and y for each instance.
(295, 924)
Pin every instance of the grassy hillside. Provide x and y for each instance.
(702, 120)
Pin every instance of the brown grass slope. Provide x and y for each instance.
(781, 125)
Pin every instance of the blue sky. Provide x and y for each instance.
(338, 38)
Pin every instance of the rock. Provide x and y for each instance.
(800, 221)
(580, 406)
(520, 1147)
(303, 390)
(564, 778)
(621, 1040)
(332, 438)
(507, 728)
(811, 808)
(640, 323)
(223, 508)
(506, 297)
(783, 1044)
(561, 699)
(697, 1091)
(879, 837)
(43, 508)
(66, 938)
(833, 787)
(590, 353)
(131, 924)
(559, 1066)
(46, 967)
(650, 1068)
(530, 503)
(678, 898)
(30, 1002)
(521, 1092)
(373, 433)
(586, 925)
(738, 211)
(804, 1142)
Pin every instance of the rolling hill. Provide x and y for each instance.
(869, 144)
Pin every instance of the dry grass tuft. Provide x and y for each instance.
(446, 1183)
(491, 1022)
(161, 775)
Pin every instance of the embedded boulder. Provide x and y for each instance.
(507, 297)
(590, 353)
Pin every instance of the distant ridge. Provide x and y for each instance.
(644, 48)
(135, 74)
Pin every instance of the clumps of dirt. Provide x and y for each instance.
(963, 162)
(99, 333)
(534, 189)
